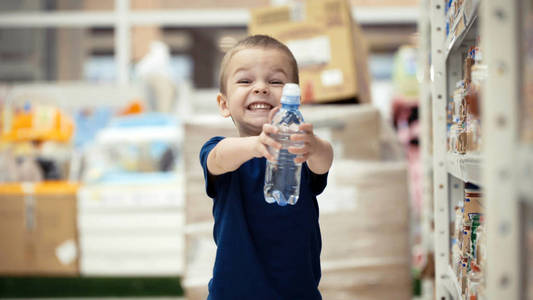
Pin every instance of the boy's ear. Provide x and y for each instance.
(223, 105)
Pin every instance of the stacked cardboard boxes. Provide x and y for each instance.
(328, 45)
(364, 209)
(38, 229)
(353, 130)
(365, 253)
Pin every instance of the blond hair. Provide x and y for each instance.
(256, 41)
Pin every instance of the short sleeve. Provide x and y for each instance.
(317, 182)
(210, 180)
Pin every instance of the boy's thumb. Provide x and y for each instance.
(272, 113)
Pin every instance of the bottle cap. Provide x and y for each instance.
(290, 94)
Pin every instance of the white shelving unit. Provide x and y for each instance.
(424, 30)
(123, 18)
(504, 169)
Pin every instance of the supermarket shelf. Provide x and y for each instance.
(526, 172)
(452, 284)
(466, 167)
(464, 27)
(186, 17)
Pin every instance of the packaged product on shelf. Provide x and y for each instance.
(471, 97)
(473, 204)
(131, 145)
(464, 134)
(458, 222)
(457, 238)
(476, 222)
(457, 138)
(459, 102)
(35, 143)
(450, 112)
(473, 243)
(456, 255)
(473, 271)
(473, 136)
(38, 122)
(462, 272)
(467, 69)
(474, 284)
(481, 249)
(457, 133)
(456, 21)
(466, 239)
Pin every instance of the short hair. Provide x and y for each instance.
(256, 41)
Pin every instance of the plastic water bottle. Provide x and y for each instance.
(282, 177)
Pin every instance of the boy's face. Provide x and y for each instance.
(254, 82)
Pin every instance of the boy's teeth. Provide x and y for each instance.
(260, 106)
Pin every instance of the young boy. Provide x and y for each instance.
(264, 251)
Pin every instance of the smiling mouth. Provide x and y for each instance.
(259, 106)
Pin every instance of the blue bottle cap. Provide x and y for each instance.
(290, 94)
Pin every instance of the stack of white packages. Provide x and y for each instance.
(128, 229)
(200, 247)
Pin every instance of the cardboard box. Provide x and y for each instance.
(38, 229)
(343, 236)
(370, 282)
(365, 232)
(328, 45)
(353, 130)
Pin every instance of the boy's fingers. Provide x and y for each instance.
(306, 127)
(270, 128)
(264, 151)
(299, 137)
(266, 140)
(301, 159)
(298, 150)
(272, 113)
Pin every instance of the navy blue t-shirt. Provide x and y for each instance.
(264, 251)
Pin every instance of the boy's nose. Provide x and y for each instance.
(261, 89)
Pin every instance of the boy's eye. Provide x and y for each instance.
(245, 81)
(276, 82)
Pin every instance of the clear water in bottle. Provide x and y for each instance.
(282, 176)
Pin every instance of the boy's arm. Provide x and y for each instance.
(230, 153)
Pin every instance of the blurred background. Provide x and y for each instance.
(106, 104)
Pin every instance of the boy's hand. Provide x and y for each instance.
(264, 140)
(308, 140)
(317, 152)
